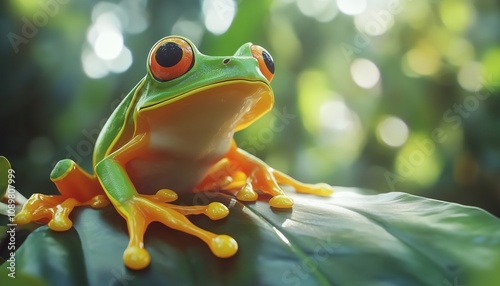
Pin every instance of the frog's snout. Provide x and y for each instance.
(226, 61)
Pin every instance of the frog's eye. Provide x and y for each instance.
(170, 58)
(266, 63)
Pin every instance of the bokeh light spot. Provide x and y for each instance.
(321, 10)
(418, 162)
(189, 29)
(280, 31)
(351, 7)
(492, 68)
(365, 73)
(109, 44)
(392, 131)
(459, 51)
(456, 14)
(93, 66)
(313, 91)
(423, 59)
(121, 63)
(469, 76)
(335, 115)
(374, 23)
(108, 52)
(418, 16)
(218, 15)
(103, 22)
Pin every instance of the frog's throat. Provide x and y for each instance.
(259, 92)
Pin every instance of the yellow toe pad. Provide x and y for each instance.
(223, 246)
(281, 202)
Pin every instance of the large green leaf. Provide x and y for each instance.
(348, 239)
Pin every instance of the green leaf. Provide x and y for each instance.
(348, 239)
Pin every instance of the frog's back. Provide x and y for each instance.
(113, 132)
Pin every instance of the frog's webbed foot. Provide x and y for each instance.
(77, 188)
(55, 209)
(268, 180)
(244, 187)
(141, 210)
(243, 174)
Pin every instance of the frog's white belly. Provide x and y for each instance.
(176, 163)
(188, 137)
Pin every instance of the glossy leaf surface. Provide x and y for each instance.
(348, 239)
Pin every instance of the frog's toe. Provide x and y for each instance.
(136, 258)
(247, 194)
(60, 223)
(281, 202)
(216, 211)
(223, 246)
(166, 195)
(23, 217)
(98, 201)
(321, 189)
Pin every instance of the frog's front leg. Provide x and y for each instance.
(245, 173)
(140, 210)
(77, 188)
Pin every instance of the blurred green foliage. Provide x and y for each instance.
(387, 95)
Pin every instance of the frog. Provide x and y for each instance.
(173, 133)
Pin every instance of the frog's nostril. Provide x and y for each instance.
(226, 61)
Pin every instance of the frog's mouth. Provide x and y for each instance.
(239, 101)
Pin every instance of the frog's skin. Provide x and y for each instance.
(174, 132)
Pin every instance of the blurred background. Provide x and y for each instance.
(386, 95)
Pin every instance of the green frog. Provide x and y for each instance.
(173, 133)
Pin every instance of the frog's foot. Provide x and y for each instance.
(259, 176)
(141, 210)
(244, 188)
(246, 193)
(55, 210)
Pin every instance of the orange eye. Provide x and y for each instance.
(170, 58)
(266, 63)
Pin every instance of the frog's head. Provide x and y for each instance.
(179, 73)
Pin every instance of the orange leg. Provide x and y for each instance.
(141, 210)
(248, 174)
(319, 189)
(77, 188)
(244, 173)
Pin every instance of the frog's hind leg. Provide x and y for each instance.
(320, 189)
(77, 188)
(259, 176)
